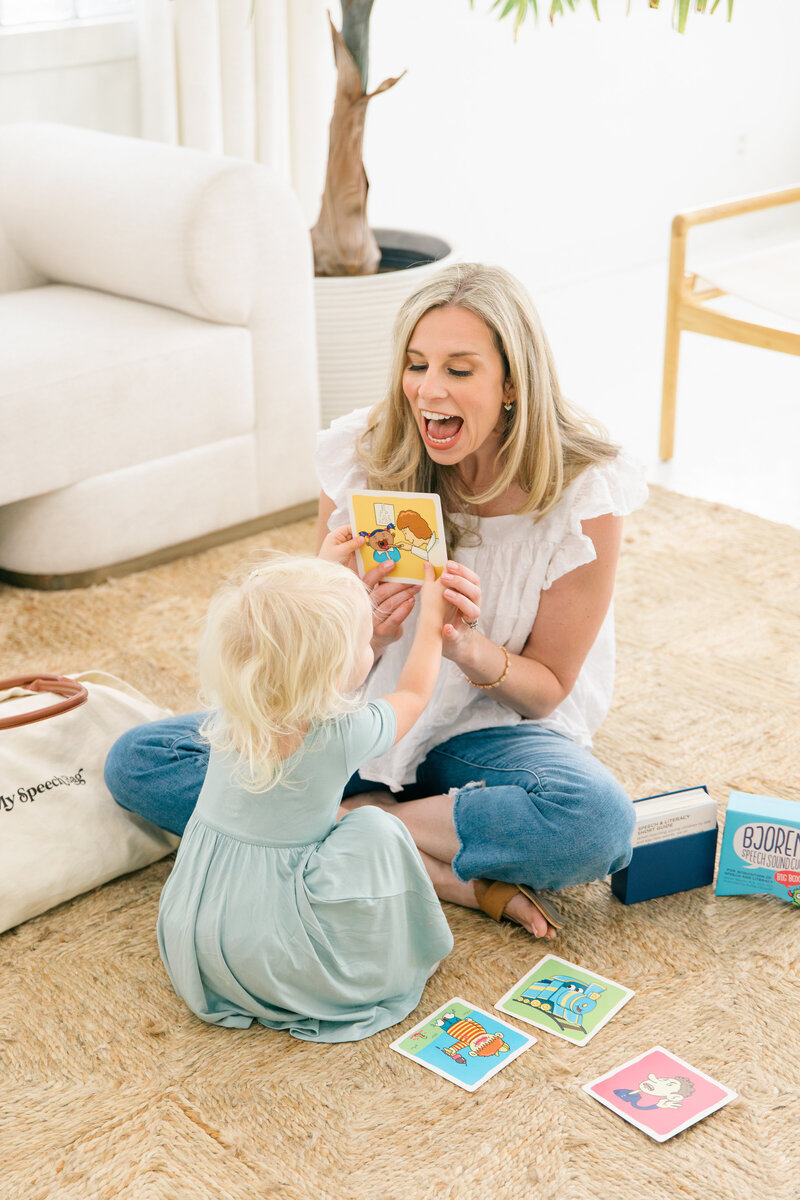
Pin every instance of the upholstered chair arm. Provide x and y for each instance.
(216, 238)
(140, 219)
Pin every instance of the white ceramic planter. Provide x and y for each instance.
(355, 316)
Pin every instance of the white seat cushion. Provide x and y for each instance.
(92, 383)
(769, 279)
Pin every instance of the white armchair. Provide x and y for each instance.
(158, 387)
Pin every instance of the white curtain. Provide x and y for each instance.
(249, 78)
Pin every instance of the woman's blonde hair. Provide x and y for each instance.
(276, 649)
(545, 443)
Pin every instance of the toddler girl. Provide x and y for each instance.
(273, 911)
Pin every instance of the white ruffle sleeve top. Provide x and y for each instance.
(517, 559)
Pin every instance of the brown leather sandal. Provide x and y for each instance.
(493, 895)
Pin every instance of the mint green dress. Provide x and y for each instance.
(274, 912)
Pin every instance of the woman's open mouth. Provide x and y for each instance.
(440, 429)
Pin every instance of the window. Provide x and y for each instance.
(38, 12)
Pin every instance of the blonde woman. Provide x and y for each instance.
(496, 783)
(273, 912)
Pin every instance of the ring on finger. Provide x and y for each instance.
(470, 624)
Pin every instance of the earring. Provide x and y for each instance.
(508, 407)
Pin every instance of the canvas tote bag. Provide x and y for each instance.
(61, 833)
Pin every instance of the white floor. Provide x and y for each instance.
(738, 410)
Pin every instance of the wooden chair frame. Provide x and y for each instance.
(686, 305)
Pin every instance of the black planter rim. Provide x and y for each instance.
(403, 248)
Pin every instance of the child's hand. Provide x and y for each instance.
(433, 602)
(340, 546)
(391, 603)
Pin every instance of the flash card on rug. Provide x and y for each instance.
(564, 999)
(463, 1044)
(404, 528)
(659, 1093)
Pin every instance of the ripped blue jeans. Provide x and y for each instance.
(548, 814)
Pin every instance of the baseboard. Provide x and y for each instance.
(81, 579)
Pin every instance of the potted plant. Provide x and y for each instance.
(363, 274)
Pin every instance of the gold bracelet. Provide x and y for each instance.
(487, 686)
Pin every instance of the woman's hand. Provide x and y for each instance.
(391, 604)
(462, 588)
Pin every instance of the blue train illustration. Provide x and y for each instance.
(565, 999)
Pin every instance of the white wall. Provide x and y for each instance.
(80, 74)
(567, 153)
(560, 156)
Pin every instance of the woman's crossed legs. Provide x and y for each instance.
(516, 803)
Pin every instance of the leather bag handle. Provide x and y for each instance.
(74, 694)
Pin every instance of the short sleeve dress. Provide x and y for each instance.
(517, 558)
(274, 912)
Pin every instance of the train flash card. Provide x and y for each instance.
(463, 1044)
(659, 1093)
(404, 528)
(565, 999)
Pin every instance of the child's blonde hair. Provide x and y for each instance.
(276, 650)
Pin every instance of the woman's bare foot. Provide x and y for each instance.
(524, 913)
(430, 822)
(517, 903)
(519, 908)
(377, 799)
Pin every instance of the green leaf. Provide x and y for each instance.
(508, 7)
(520, 8)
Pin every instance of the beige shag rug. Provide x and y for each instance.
(111, 1089)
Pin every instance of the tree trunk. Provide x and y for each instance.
(342, 239)
(355, 33)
